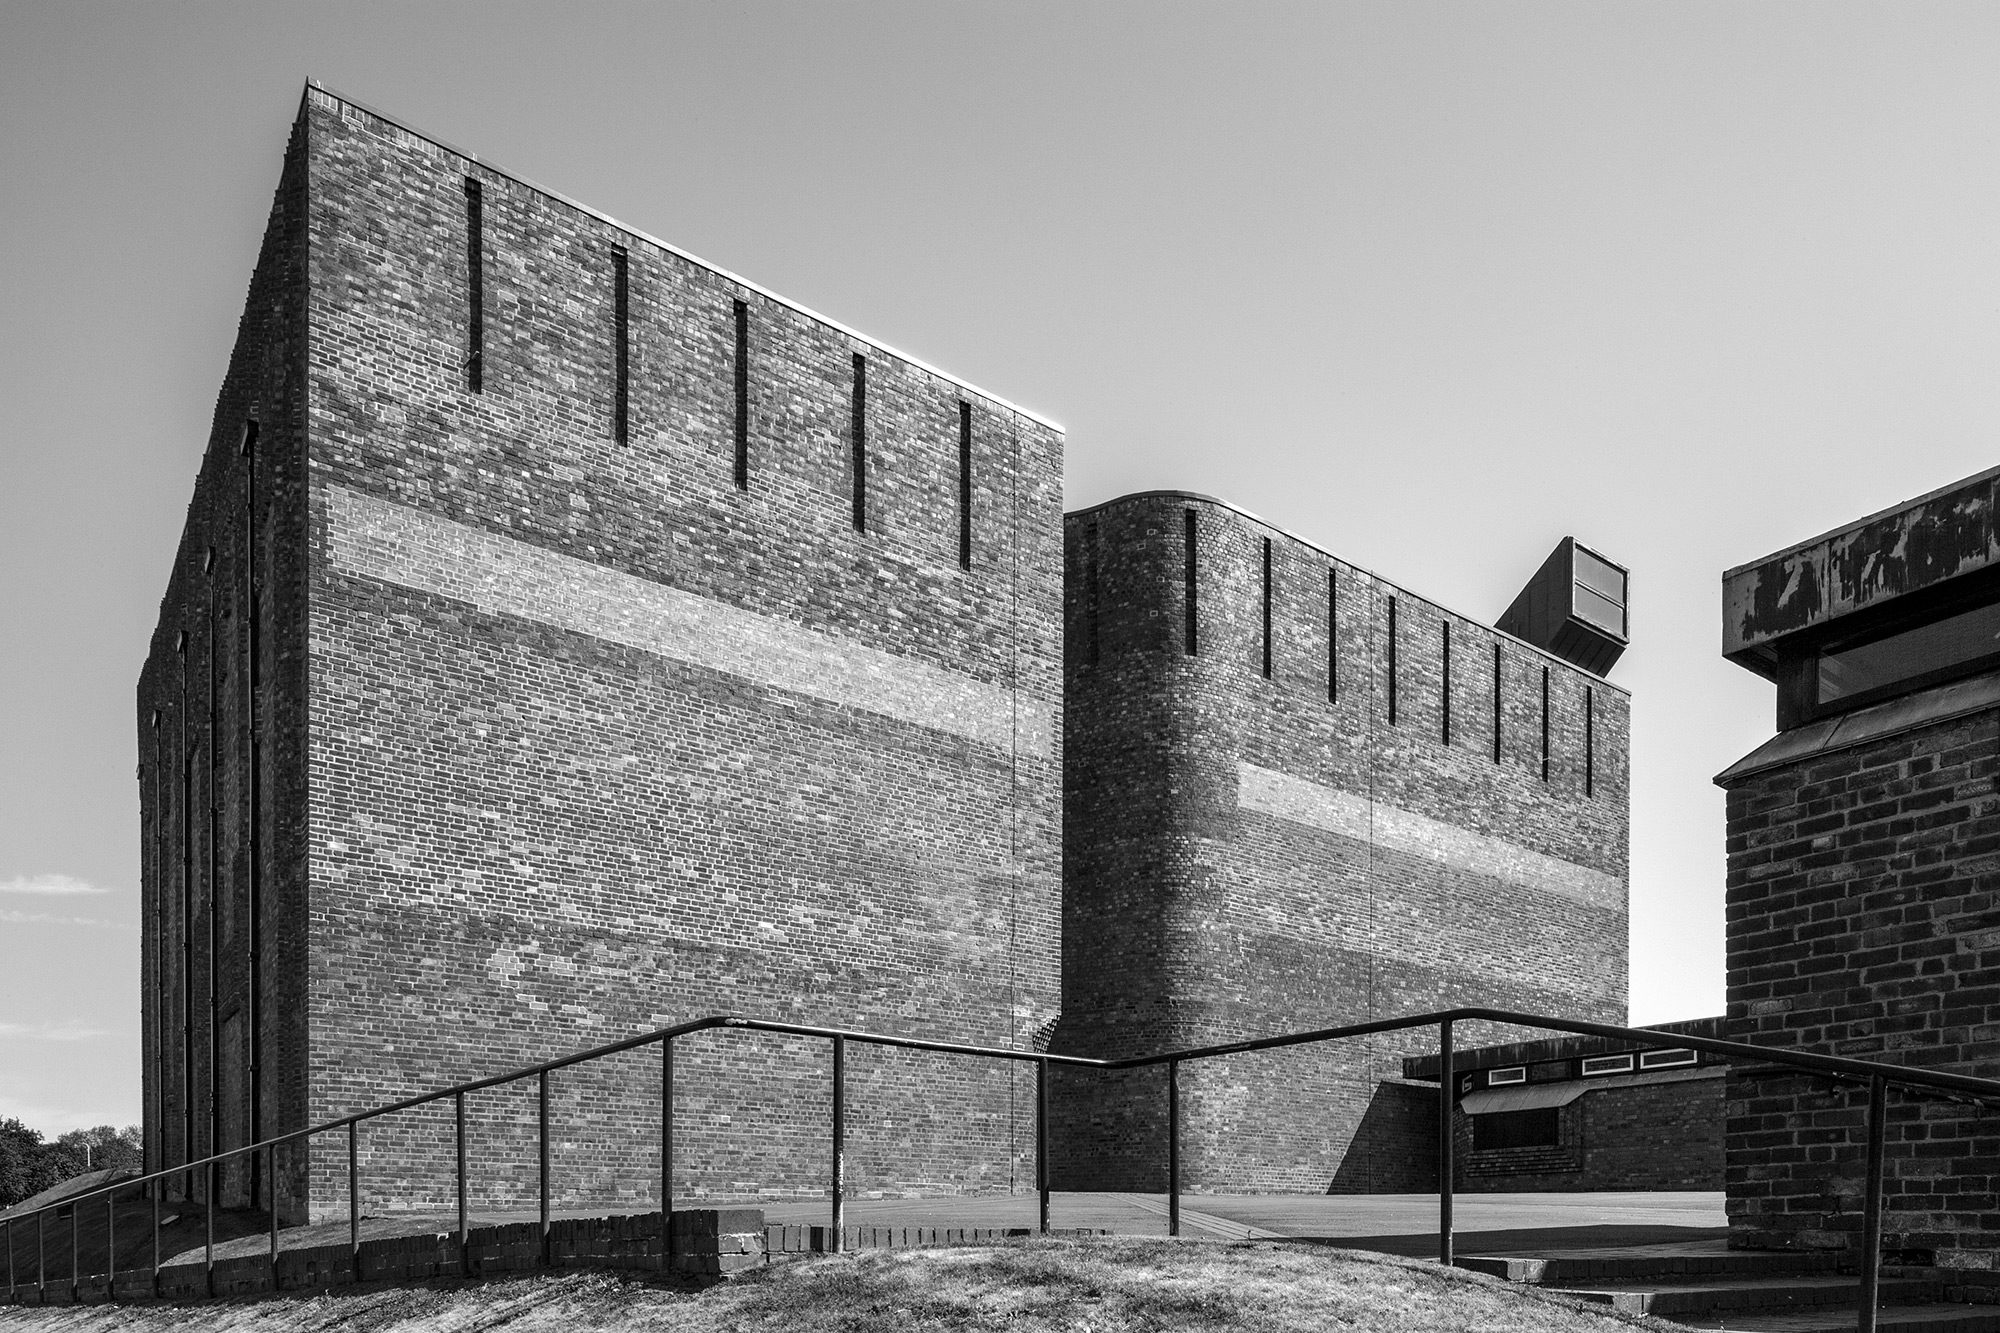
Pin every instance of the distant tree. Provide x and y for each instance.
(104, 1146)
(27, 1165)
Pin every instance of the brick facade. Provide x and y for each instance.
(1863, 921)
(564, 736)
(1302, 827)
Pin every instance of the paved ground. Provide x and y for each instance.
(1393, 1223)
(1388, 1223)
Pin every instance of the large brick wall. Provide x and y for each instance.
(1863, 921)
(596, 739)
(1249, 852)
(221, 722)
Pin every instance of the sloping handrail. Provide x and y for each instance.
(1878, 1076)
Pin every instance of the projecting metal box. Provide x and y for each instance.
(1575, 607)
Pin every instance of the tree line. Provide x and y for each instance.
(29, 1164)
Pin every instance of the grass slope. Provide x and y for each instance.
(1089, 1286)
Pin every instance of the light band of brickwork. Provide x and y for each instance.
(1394, 829)
(376, 539)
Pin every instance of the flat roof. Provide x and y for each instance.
(315, 85)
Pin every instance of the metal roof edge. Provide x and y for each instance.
(1940, 703)
(1309, 542)
(692, 258)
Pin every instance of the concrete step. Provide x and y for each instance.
(1737, 1295)
(1663, 1264)
(1899, 1318)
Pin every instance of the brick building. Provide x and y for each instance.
(1586, 1113)
(1297, 795)
(568, 638)
(1864, 874)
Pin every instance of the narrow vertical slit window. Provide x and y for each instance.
(964, 485)
(1545, 724)
(475, 287)
(1392, 661)
(1091, 601)
(620, 342)
(1188, 580)
(1267, 608)
(1589, 741)
(858, 432)
(1496, 703)
(742, 396)
(1332, 638)
(1444, 688)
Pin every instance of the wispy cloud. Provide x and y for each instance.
(9, 916)
(50, 886)
(69, 1031)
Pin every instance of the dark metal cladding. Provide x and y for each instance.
(1917, 546)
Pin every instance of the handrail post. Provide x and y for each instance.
(271, 1213)
(75, 1249)
(7, 1239)
(543, 1119)
(666, 1153)
(839, 1139)
(208, 1218)
(159, 1189)
(1173, 1147)
(1871, 1216)
(1446, 1087)
(41, 1258)
(1042, 1143)
(354, 1199)
(110, 1247)
(464, 1231)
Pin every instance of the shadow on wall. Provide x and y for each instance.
(1394, 1149)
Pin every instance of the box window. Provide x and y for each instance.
(1607, 1064)
(1500, 1078)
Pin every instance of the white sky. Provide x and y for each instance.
(1432, 285)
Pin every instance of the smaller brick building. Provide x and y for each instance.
(1586, 1113)
(1297, 795)
(1864, 874)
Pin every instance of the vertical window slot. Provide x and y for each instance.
(1090, 593)
(620, 343)
(1188, 580)
(742, 396)
(475, 287)
(1332, 638)
(1392, 661)
(1589, 741)
(1545, 724)
(1267, 608)
(1496, 703)
(964, 485)
(858, 432)
(1444, 689)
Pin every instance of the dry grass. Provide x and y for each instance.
(1094, 1286)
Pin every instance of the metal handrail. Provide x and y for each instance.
(1876, 1075)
